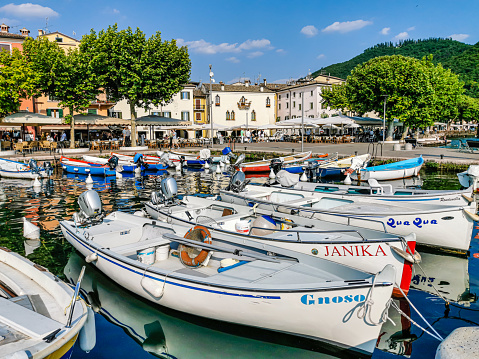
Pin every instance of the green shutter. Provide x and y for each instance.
(49, 112)
(61, 113)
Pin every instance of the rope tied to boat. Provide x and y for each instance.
(365, 308)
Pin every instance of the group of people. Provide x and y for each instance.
(248, 136)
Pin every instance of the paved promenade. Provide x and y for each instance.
(344, 149)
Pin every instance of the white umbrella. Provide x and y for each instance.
(330, 126)
(352, 125)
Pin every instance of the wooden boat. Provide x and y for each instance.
(446, 227)
(337, 168)
(40, 316)
(391, 171)
(263, 166)
(283, 291)
(14, 169)
(88, 170)
(146, 158)
(363, 249)
(384, 193)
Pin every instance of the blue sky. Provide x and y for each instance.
(276, 40)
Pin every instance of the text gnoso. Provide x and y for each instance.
(308, 299)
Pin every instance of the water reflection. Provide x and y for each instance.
(169, 334)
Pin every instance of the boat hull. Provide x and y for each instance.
(253, 308)
(391, 171)
(89, 170)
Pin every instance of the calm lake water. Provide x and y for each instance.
(129, 327)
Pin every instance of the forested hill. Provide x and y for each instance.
(463, 59)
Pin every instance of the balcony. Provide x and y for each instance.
(199, 107)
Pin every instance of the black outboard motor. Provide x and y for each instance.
(276, 165)
(238, 182)
(47, 165)
(311, 170)
(182, 161)
(33, 166)
(113, 162)
(139, 161)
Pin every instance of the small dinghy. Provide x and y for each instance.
(128, 165)
(300, 168)
(340, 167)
(263, 166)
(40, 316)
(391, 171)
(14, 169)
(356, 247)
(252, 284)
(442, 226)
(71, 165)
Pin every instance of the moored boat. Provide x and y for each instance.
(282, 290)
(391, 171)
(40, 316)
(337, 168)
(15, 169)
(263, 165)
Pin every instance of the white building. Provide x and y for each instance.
(180, 107)
(240, 104)
(291, 100)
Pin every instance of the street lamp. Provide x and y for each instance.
(211, 105)
(384, 116)
(302, 121)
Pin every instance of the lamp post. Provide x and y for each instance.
(302, 121)
(384, 116)
(211, 105)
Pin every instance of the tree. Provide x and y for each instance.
(335, 96)
(17, 81)
(142, 71)
(417, 92)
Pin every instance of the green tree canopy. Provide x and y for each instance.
(17, 81)
(417, 93)
(142, 71)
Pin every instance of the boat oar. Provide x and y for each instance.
(237, 252)
(75, 295)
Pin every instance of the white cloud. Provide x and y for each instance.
(28, 10)
(204, 47)
(411, 28)
(459, 37)
(233, 59)
(346, 26)
(322, 56)
(309, 31)
(9, 22)
(385, 31)
(116, 11)
(401, 36)
(255, 54)
(281, 51)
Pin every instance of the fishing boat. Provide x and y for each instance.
(263, 166)
(14, 169)
(258, 285)
(356, 247)
(446, 227)
(391, 171)
(128, 165)
(381, 193)
(40, 316)
(200, 160)
(71, 165)
(127, 158)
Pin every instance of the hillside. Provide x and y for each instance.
(462, 59)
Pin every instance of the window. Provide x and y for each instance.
(294, 116)
(300, 94)
(299, 106)
(287, 104)
(185, 115)
(294, 104)
(167, 114)
(287, 95)
(279, 97)
(6, 47)
(58, 39)
(311, 92)
(115, 114)
(268, 102)
(294, 94)
(232, 115)
(53, 98)
(228, 116)
(311, 105)
(279, 106)
(185, 95)
(253, 115)
(92, 111)
(198, 116)
(54, 112)
(286, 117)
(217, 100)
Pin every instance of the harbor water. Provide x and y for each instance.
(131, 327)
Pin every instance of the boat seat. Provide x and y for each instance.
(25, 320)
(140, 245)
(380, 189)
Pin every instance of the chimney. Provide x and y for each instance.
(264, 82)
(246, 83)
(24, 32)
(222, 85)
(4, 28)
(261, 87)
(40, 32)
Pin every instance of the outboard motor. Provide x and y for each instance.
(167, 194)
(113, 162)
(90, 208)
(139, 161)
(311, 170)
(47, 166)
(228, 152)
(276, 165)
(238, 182)
(33, 166)
(231, 169)
(165, 159)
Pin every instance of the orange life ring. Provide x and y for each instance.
(201, 257)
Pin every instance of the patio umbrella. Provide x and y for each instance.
(153, 120)
(25, 118)
(352, 125)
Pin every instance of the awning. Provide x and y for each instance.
(152, 120)
(9, 127)
(30, 119)
(77, 127)
(98, 120)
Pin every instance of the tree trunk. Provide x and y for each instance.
(404, 133)
(389, 134)
(133, 125)
(72, 129)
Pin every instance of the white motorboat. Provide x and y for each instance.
(446, 227)
(363, 249)
(380, 193)
(14, 169)
(391, 171)
(281, 290)
(470, 177)
(40, 316)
